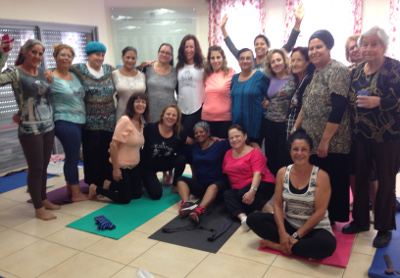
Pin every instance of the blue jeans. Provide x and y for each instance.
(70, 136)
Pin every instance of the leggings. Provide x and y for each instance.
(37, 150)
(70, 136)
(188, 122)
(316, 244)
(124, 190)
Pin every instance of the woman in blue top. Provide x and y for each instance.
(249, 89)
(66, 98)
(207, 156)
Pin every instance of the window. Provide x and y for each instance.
(11, 155)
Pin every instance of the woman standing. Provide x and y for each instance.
(217, 81)
(281, 89)
(36, 126)
(303, 228)
(252, 184)
(125, 153)
(66, 98)
(374, 99)
(353, 53)
(190, 71)
(249, 89)
(127, 80)
(326, 119)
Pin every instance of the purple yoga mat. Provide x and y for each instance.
(59, 195)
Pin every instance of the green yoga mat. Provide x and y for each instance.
(126, 217)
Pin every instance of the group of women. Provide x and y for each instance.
(311, 91)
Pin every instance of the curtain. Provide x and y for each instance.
(218, 8)
(394, 21)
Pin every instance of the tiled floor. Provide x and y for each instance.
(34, 248)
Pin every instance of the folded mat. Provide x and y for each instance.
(378, 265)
(126, 217)
(14, 181)
(340, 257)
(196, 235)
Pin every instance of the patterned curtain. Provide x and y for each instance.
(218, 8)
(394, 21)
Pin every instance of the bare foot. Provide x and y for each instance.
(92, 192)
(106, 184)
(69, 192)
(265, 243)
(79, 197)
(267, 208)
(167, 179)
(49, 205)
(174, 189)
(44, 214)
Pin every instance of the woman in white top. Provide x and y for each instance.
(191, 94)
(127, 80)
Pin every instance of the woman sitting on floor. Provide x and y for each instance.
(207, 157)
(304, 230)
(125, 153)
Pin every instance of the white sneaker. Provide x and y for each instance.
(141, 273)
(244, 224)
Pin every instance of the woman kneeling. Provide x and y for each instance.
(305, 229)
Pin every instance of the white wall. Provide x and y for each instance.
(97, 13)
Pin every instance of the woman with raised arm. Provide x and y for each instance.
(261, 42)
(35, 115)
(303, 227)
(127, 80)
(125, 153)
(217, 81)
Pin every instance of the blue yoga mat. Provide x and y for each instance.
(14, 181)
(378, 266)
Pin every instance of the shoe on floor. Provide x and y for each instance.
(196, 213)
(382, 239)
(186, 208)
(353, 228)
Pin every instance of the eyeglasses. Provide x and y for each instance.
(140, 101)
(165, 53)
(66, 55)
(235, 137)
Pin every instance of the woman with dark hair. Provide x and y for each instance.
(249, 89)
(125, 153)
(127, 80)
(66, 98)
(302, 70)
(261, 42)
(303, 229)
(36, 126)
(161, 151)
(252, 184)
(190, 69)
(217, 81)
(161, 81)
(280, 91)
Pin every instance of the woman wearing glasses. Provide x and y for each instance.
(67, 100)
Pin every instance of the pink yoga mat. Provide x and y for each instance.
(344, 243)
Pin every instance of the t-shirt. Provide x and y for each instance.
(190, 89)
(160, 90)
(279, 101)
(208, 162)
(132, 140)
(240, 170)
(66, 98)
(158, 151)
(217, 103)
(126, 86)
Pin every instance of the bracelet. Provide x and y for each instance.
(294, 129)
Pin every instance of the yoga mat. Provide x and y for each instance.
(59, 196)
(340, 257)
(378, 265)
(126, 217)
(197, 239)
(14, 181)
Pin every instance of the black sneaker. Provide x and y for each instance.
(186, 208)
(196, 213)
(353, 228)
(382, 239)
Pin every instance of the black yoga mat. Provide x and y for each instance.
(214, 217)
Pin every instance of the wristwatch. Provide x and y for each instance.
(294, 129)
(296, 236)
(254, 188)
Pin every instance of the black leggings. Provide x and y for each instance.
(37, 150)
(316, 244)
(124, 190)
